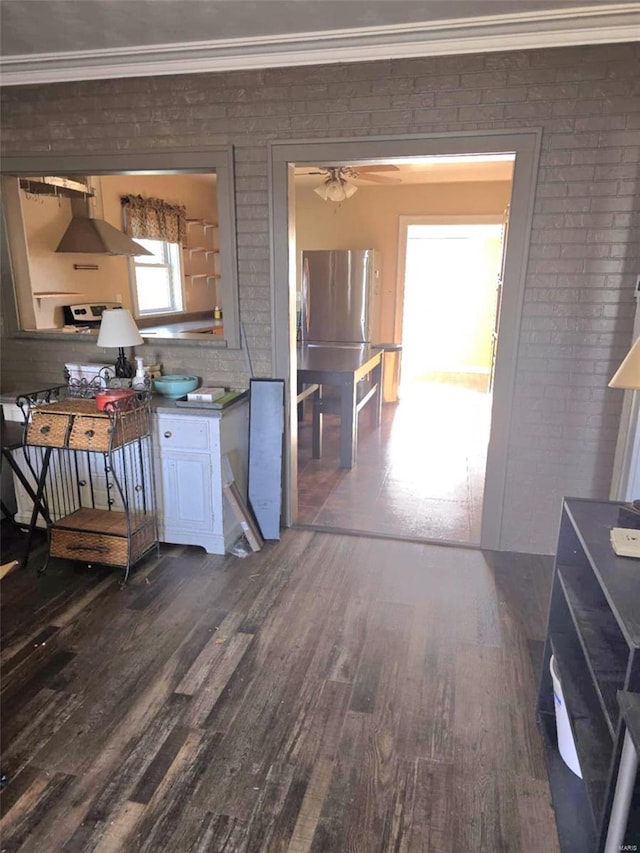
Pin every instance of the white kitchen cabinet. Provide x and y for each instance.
(188, 448)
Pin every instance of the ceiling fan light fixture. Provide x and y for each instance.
(336, 190)
(349, 189)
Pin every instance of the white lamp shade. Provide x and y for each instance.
(628, 374)
(335, 190)
(117, 329)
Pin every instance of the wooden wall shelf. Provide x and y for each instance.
(201, 252)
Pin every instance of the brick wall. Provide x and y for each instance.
(578, 311)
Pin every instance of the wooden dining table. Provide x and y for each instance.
(342, 366)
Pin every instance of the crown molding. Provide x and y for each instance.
(611, 23)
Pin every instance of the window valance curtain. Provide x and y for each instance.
(153, 219)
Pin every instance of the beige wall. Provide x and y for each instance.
(46, 219)
(370, 220)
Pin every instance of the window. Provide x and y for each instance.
(217, 160)
(157, 278)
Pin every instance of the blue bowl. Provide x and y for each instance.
(175, 386)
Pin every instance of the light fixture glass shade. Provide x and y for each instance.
(335, 190)
(628, 374)
(117, 329)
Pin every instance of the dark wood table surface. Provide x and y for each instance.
(344, 367)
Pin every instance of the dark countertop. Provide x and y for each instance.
(186, 331)
(206, 328)
(165, 406)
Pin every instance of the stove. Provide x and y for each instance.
(86, 313)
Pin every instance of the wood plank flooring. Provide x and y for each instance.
(329, 693)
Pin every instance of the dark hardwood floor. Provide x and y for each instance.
(330, 693)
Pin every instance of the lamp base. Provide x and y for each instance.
(124, 368)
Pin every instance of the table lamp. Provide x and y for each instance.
(117, 329)
(628, 376)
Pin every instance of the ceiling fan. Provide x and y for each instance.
(337, 186)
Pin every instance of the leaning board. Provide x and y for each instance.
(266, 427)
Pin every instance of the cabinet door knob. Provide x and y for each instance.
(45, 429)
(89, 433)
(167, 434)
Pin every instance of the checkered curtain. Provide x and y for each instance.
(153, 219)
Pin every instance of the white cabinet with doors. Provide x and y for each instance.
(189, 445)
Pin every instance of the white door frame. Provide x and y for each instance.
(525, 144)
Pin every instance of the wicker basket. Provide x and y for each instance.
(90, 433)
(77, 424)
(48, 429)
(72, 539)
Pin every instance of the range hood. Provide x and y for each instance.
(85, 233)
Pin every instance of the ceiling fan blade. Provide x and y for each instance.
(379, 179)
(347, 170)
(383, 167)
(318, 170)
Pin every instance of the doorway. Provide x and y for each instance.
(451, 279)
(451, 271)
(524, 145)
(421, 474)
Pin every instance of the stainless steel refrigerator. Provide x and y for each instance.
(339, 296)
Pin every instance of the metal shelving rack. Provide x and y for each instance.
(93, 473)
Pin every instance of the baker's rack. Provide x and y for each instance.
(92, 473)
(104, 378)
